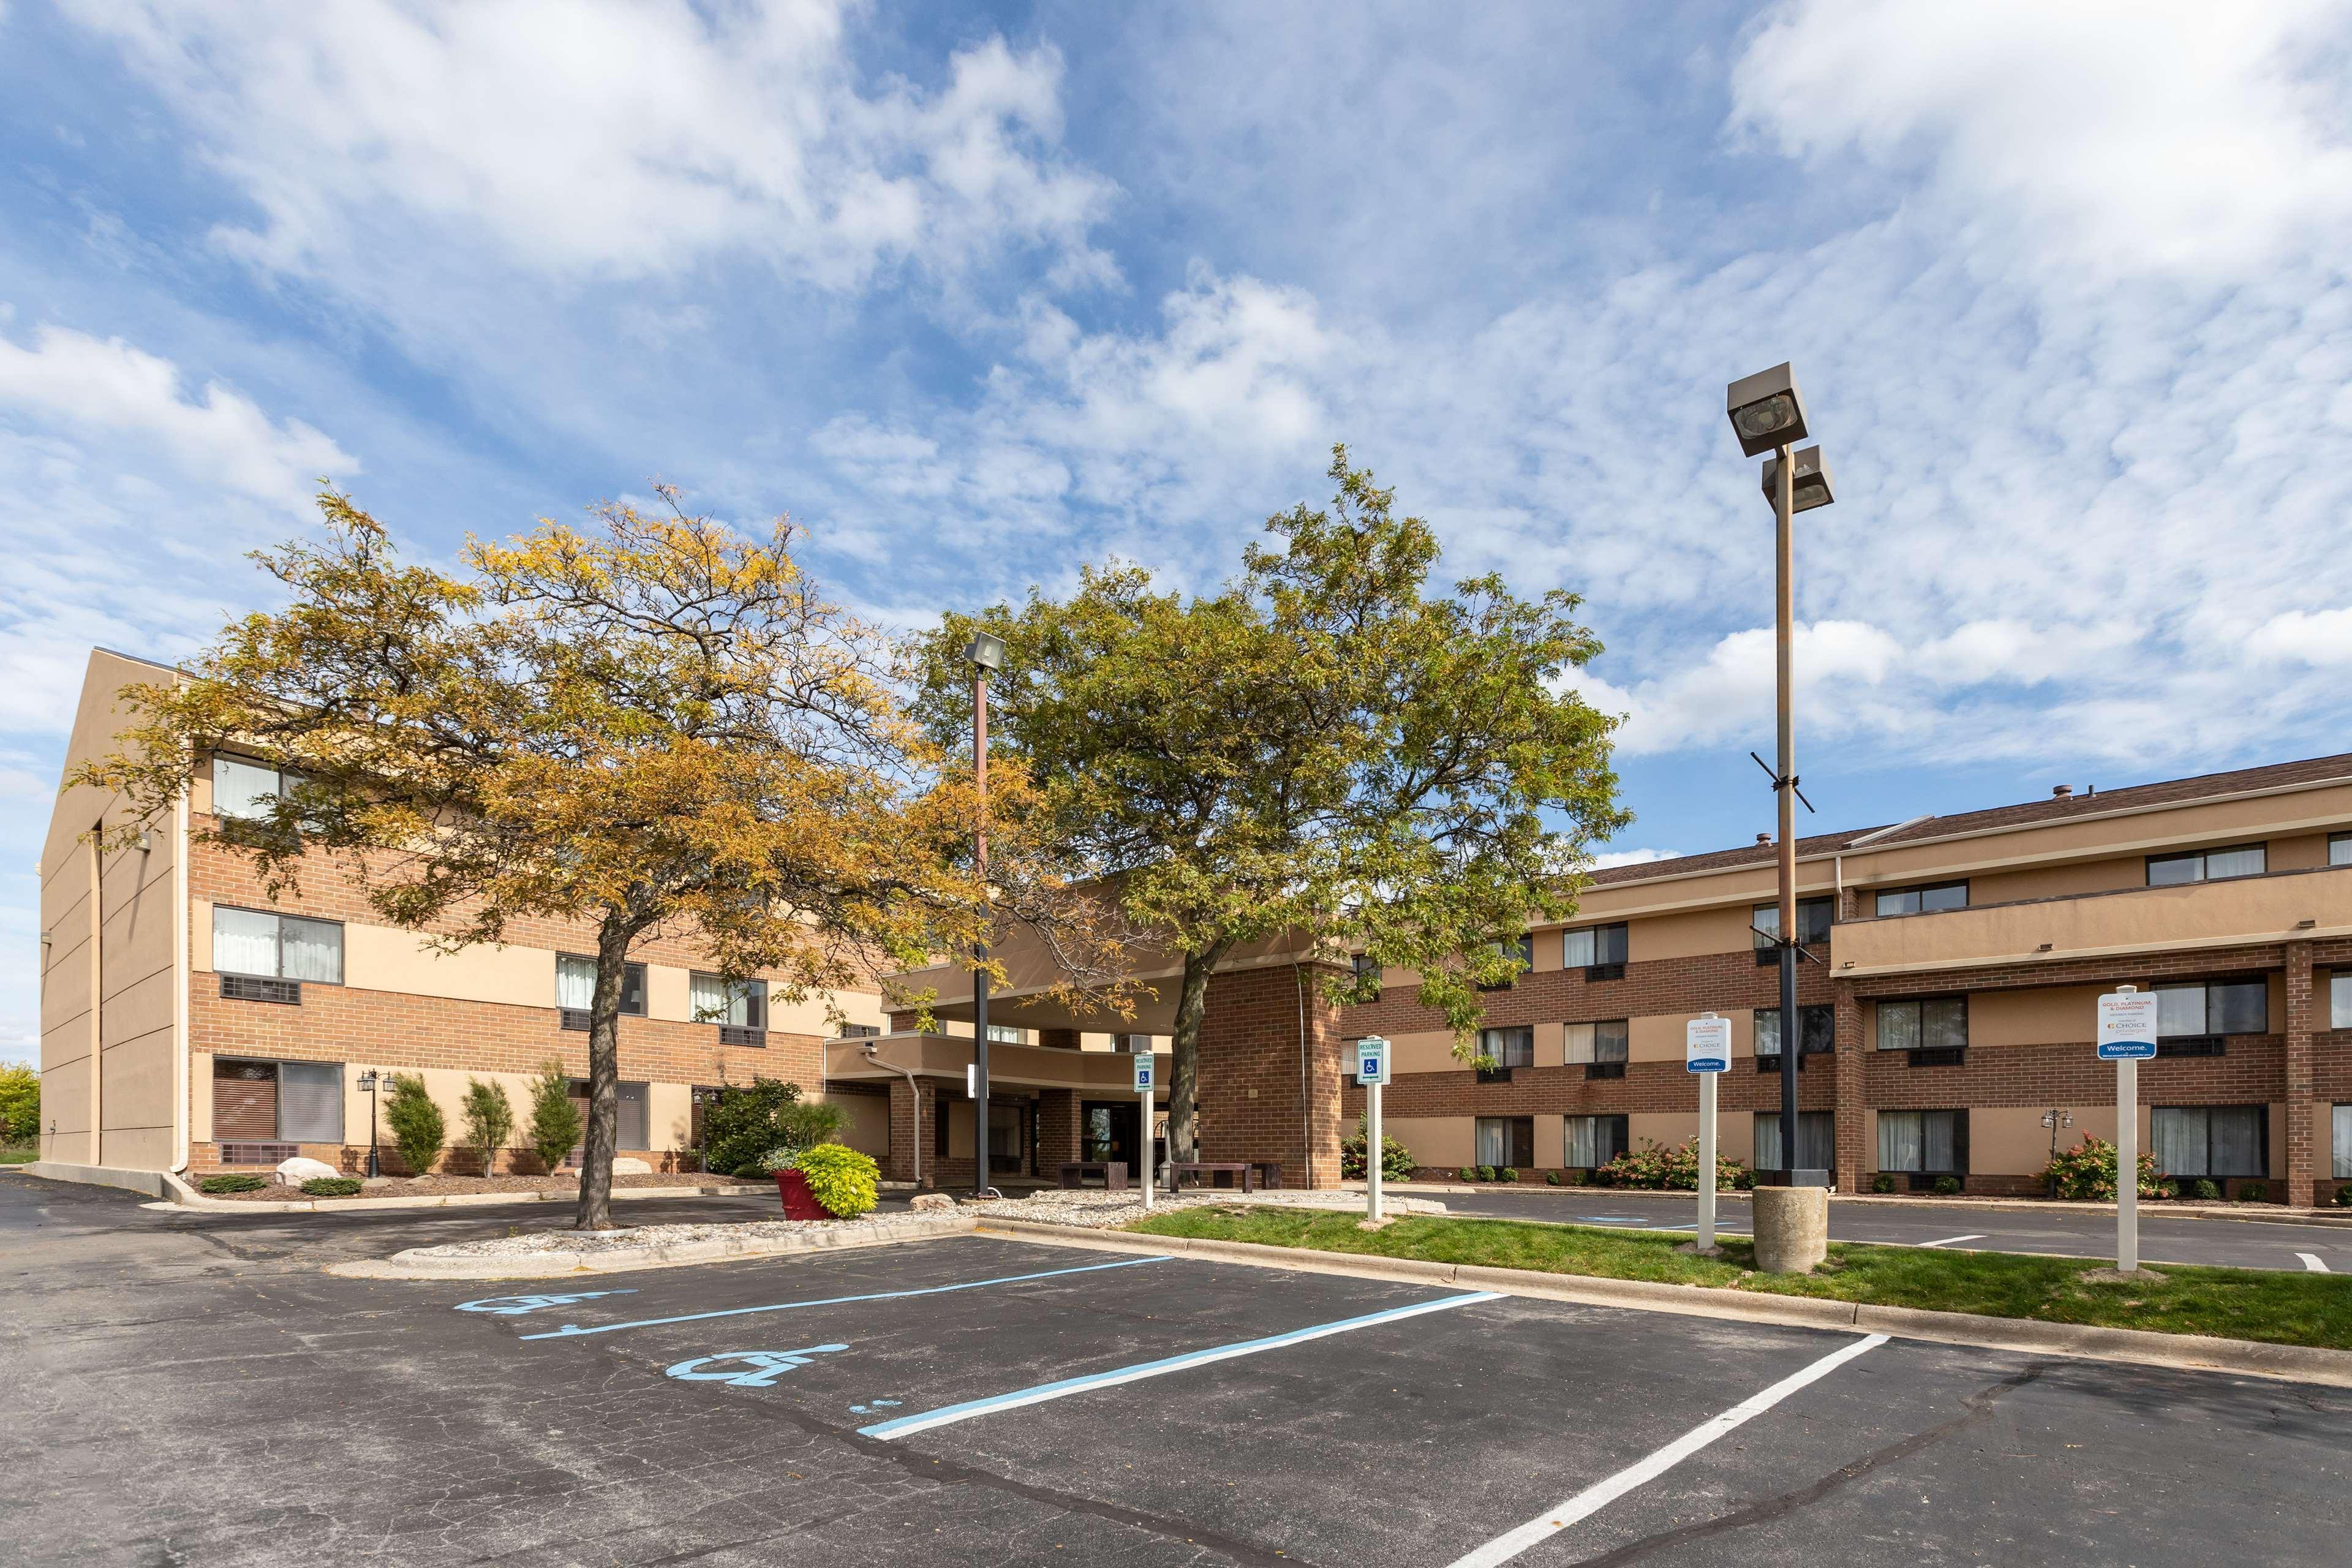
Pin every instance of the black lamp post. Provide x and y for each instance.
(368, 1083)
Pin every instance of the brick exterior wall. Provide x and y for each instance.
(1250, 1101)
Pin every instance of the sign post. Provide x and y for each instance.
(1706, 1051)
(2126, 1038)
(1143, 1065)
(1372, 1071)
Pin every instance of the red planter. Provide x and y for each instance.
(799, 1202)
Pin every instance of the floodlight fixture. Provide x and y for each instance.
(1812, 486)
(1766, 411)
(985, 651)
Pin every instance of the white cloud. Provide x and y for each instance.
(602, 139)
(2323, 637)
(1608, 858)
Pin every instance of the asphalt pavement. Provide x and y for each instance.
(191, 1389)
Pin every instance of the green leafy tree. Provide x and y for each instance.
(1326, 746)
(489, 1119)
(20, 1103)
(555, 1120)
(418, 1129)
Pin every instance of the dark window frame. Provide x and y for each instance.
(2263, 1143)
(2202, 857)
(1921, 1002)
(754, 987)
(1959, 1166)
(1620, 1138)
(1522, 1137)
(1810, 931)
(1810, 1042)
(2343, 841)
(1608, 957)
(1917, 893)
(633, 977)
(343, 946)
(2258, 984)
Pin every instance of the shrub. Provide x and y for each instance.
(2204, 1192)
(1947, 1186)
(232, 1183)
(1551, 1178)
(2253, 1192)
(744, 1123)
(1396, 1160)
(20, 1103)
(1658, 1168)
(1467, 1173)
(2088, 1171)
(2344, 1196)
(753, 1171)
(1507, 1174)
(1881, 1183)
(1485, 1173)
(489, 1119)
(332, 1186)
(1576, 1178)
(554, 1120)
(415, 1121)
(840, 1178)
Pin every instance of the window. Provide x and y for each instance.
(2221, 1007)
(1816, 1030)
(744, 1003)
(1368, 968)
(1592, 1141)
(1816, 1141)
(1593, 946)
(1512, 1047)
(1813, 919)
(2206, 865)
(575, 988)
(1007, 1034)
(277, 1102)
(246, 789)
(2339, 999)
(1506, 1140)
(1522, 949)
(2211, 1139)
(1924, 899)
(1008, 1139)
(282, 947)
(1922, 1141)
(1931, 1023)
(2339, 848)
(1605, 1041)
(2340, 1145)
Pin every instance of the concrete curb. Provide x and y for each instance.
(2138, 1347)
(455, 1200)
(409, 1265)
(154, 1183)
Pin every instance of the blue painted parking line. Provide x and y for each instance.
(947, 1414)
(574, 1331)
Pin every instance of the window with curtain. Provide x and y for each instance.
(1594, 945)
(1510, 1048)
(282, 947)
(2206, 865)
(2217, 1007)
(575, 984)
(1506, 1140)
(1921, 1140)
(1604, 1040)
(1816, 1141)
(242, 788)
(2340, 1000)
(1814, 917)
(1816, 1030)
(1932, 1023)
(1925, 899)
(1592, 1141)
(715, 1001)
(2340, 1145)
(1007, 1034)
(2210, 1139)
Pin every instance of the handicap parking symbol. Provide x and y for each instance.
(757, 1369)
(517, 1306)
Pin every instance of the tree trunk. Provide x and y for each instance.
(604, 1076)
(1184, 1047)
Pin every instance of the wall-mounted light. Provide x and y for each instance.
(2305, 925)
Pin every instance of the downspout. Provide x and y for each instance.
(182, 978)
(915, 1104)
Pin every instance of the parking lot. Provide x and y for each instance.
(193, 1395)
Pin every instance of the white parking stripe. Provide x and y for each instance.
(2311, 1261)
(1955, 1240)
(1601, 1494)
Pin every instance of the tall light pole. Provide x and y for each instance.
(985, 653)
(1769, 416)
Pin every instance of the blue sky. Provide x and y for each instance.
(981, 294)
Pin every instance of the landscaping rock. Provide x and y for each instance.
(629, 1165)
(371, 1183)
(930, 1201)
(295, 1172)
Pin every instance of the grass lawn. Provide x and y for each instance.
(19, 1153)
(2236, 1303)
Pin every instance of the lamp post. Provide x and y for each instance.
(2055, 1119)
(984, 653)
(368, 1083)
(1769, 416)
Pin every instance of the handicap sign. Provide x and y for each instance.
(2126, 1026)
(1371, 1060)
(1143, 1075)
(754, 1369)
(1706, 1045)
(517, 1306)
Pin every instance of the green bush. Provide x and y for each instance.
(840, 1178)
(1396, 1160)
(1881, 1183)
(333, 1187)
(417, 1125)
(1551, 1178)
(2253, 1192)
(233, 1183)
(1485, 1173)
(1947, 1186)
(2204, 1192)
(1576, 1178)
(555, 1120)
(20, 1103)
(2344, 1196)
(488, 1118)
(1658, 1168)
(753, 1171)
(1468, 1172)
(1507, 1174)
(744, 1123)
(2087, 1171)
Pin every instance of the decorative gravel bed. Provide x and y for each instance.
(638, 1239)
(456, 1187)
(1099, 1210)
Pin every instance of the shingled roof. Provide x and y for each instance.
(2050, 809)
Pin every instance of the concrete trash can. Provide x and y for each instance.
(1792, 1228)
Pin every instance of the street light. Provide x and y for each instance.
(984, 653)
(368, 1083)
(1767, 413)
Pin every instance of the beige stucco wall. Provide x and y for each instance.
(379, 958)
(1440, 1140)
(1666, 1127)
(866, 1125)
